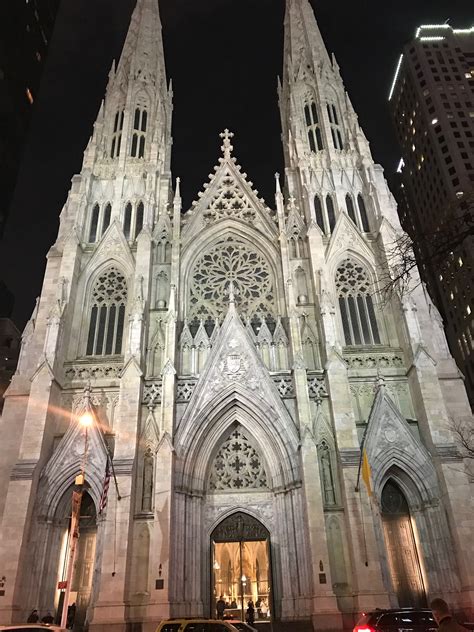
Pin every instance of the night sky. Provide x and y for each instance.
(224, 57)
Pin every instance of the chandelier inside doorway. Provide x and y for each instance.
(241, 569)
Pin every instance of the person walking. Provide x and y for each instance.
(220, 607)
(34, 617)
(444, 618)
(250, 613)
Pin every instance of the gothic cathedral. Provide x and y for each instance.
(235, 357)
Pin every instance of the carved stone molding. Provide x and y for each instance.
(23, 471)
(85, 372)
(152, 393)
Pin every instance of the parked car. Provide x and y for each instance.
(406, 619)
(32, 627)
(195, 625)
(241, 625)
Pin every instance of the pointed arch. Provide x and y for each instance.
(106, 309)
(331, 212)
(350, 208)
(198, 438)
(363, 213)
(94, 224)
(318, 209)
(353, 288)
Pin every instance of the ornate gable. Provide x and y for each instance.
(390, 443)
(228, 196)
(234, 364)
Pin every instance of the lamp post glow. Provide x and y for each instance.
(86, 420)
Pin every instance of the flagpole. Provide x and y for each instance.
(85, 420)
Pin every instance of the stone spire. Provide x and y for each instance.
(143, 56)
(304, 45)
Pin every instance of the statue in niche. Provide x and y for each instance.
(147, 489)
(326, 475)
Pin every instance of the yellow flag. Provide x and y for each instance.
(366, 472)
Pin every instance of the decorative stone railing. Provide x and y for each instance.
(373, 358)
(83, 372)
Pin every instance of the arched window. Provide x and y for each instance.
(133, 220)
(106, 218)
(140, 122)
(318, 208)
(336, 129)
(94, 225)
(127, 221)
(363, 214)
(350, 209)
(117, 135)
(107, 314)
(139, 219)
(331, 213)
(357, 309)
(313, 129)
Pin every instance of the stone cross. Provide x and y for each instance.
(227, 147)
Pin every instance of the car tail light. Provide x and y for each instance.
(363, 628)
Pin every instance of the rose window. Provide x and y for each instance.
(238, 465)
(229, 261)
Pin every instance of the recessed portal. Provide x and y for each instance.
(402, 552)
(241, 569)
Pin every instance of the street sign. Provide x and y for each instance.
(62, 585)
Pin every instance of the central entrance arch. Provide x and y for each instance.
(241, 568)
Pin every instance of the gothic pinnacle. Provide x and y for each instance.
(227, 146)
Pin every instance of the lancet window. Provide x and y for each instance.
(117, 135)
(313, 128)
(133, 220)
(336, 129)
(351, 209)
(363, 214)
(140, 123)
(358, 317)
(318, 208)
(107, 314)
(331, 212)
(99, 222)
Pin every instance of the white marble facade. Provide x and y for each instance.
(231, 316)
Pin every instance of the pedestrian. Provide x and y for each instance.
(220, 607)
(48, 618)
(443, 617)
(34, 617)
(250, 613)
(71, 615)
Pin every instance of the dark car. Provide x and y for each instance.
(397, 620)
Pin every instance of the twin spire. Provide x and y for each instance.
(304, 45)
(143, 52)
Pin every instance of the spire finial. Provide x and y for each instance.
(232, 292)
(227, 147)
(277, 183)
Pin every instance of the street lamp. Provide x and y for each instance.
(86, 420)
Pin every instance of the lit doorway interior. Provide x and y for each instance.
(241, 568)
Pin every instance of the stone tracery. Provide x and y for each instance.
(229, 260)
(237, 465)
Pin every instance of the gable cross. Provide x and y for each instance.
(227, 147)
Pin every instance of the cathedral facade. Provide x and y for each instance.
(236, 358)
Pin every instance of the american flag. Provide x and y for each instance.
(105, 487)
